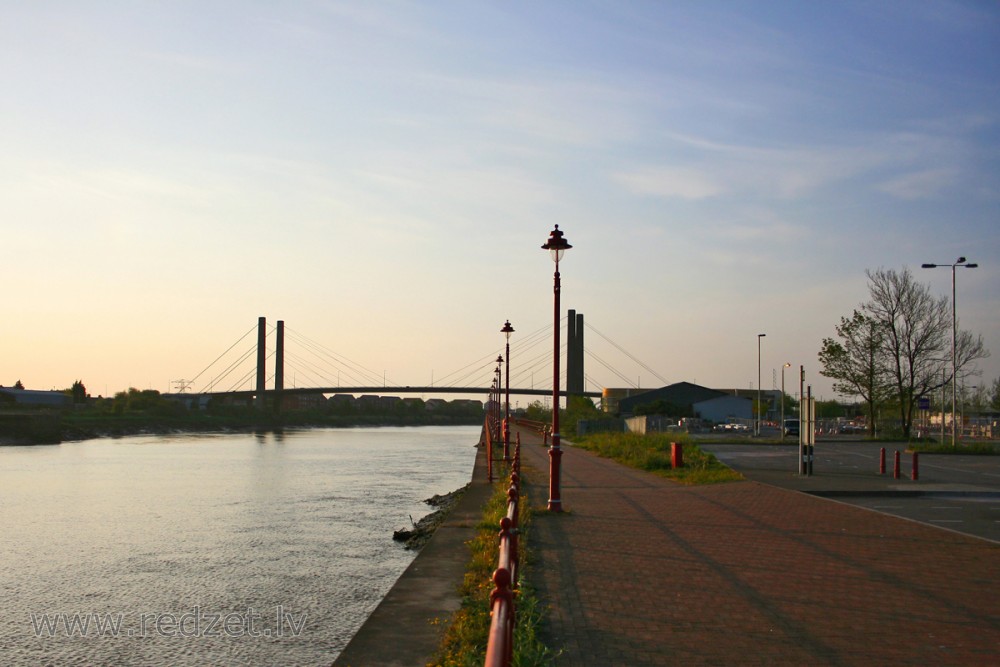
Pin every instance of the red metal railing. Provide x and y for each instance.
(500, 647)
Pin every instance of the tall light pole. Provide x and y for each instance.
(954, 335)
(757, 431)
(557, 247)
(507, 331)
(496, 412)
(782, 425)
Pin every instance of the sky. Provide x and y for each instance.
(381, 176)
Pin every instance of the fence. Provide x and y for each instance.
(500, 647)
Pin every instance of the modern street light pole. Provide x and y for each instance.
(757, 429)
(782, 425)
(954, 335)
(507, 331)
(557, 247)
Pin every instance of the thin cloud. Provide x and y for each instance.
(925, 184)
(670, 183)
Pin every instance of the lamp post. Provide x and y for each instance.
(782, 425)
(557, 246)
(757, 430)
(507, 331)
(489, 431)
(499, 385)
(954, 334)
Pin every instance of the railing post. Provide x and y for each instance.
(895, 466)
(512, 531)
(499, 652)
(881, 461)
(915, 472)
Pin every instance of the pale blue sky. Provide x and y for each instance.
(381, 175)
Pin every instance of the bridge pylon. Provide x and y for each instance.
(261, 359)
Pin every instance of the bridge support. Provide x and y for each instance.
(279, 364)
(574, 354)
(261, 358)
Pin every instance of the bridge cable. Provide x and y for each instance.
(629, 355)
(224, 353)
(229, 369)
(320, 350)
(610, 368)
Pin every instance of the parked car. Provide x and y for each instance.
(791, 427)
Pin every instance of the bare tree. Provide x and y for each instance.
(917, 338)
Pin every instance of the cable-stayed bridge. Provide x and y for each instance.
(243, 370)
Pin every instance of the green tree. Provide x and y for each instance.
(579, 408)
(537, 411)
(78, 392)
(856, 363)
(995, 395)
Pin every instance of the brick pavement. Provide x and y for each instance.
(643, 571)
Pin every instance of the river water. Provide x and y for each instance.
(235, 549)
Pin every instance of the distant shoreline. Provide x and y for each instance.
(51, 428)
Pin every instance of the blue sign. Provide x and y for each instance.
(924, 403)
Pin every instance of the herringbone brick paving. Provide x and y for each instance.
(642, 571)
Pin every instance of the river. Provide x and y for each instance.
(235, 549)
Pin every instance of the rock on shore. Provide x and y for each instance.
(422, 530)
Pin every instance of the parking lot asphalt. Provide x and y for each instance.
(959, 492)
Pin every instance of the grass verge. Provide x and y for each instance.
(464, 642)
(981, 448)
(652, 452)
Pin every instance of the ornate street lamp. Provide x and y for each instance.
(496, 413)
(489, 431)
(507, 331)
(557, 247)
(954, 333)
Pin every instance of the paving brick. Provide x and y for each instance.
(642, 571)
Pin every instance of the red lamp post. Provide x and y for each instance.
(557, 246)
(507, 331)
(496, 412)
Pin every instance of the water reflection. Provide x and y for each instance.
(140, 527)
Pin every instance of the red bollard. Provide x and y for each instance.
(881, 461)
(895, 466)
(915, 473)
(676, 454)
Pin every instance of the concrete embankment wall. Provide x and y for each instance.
(404, 629)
